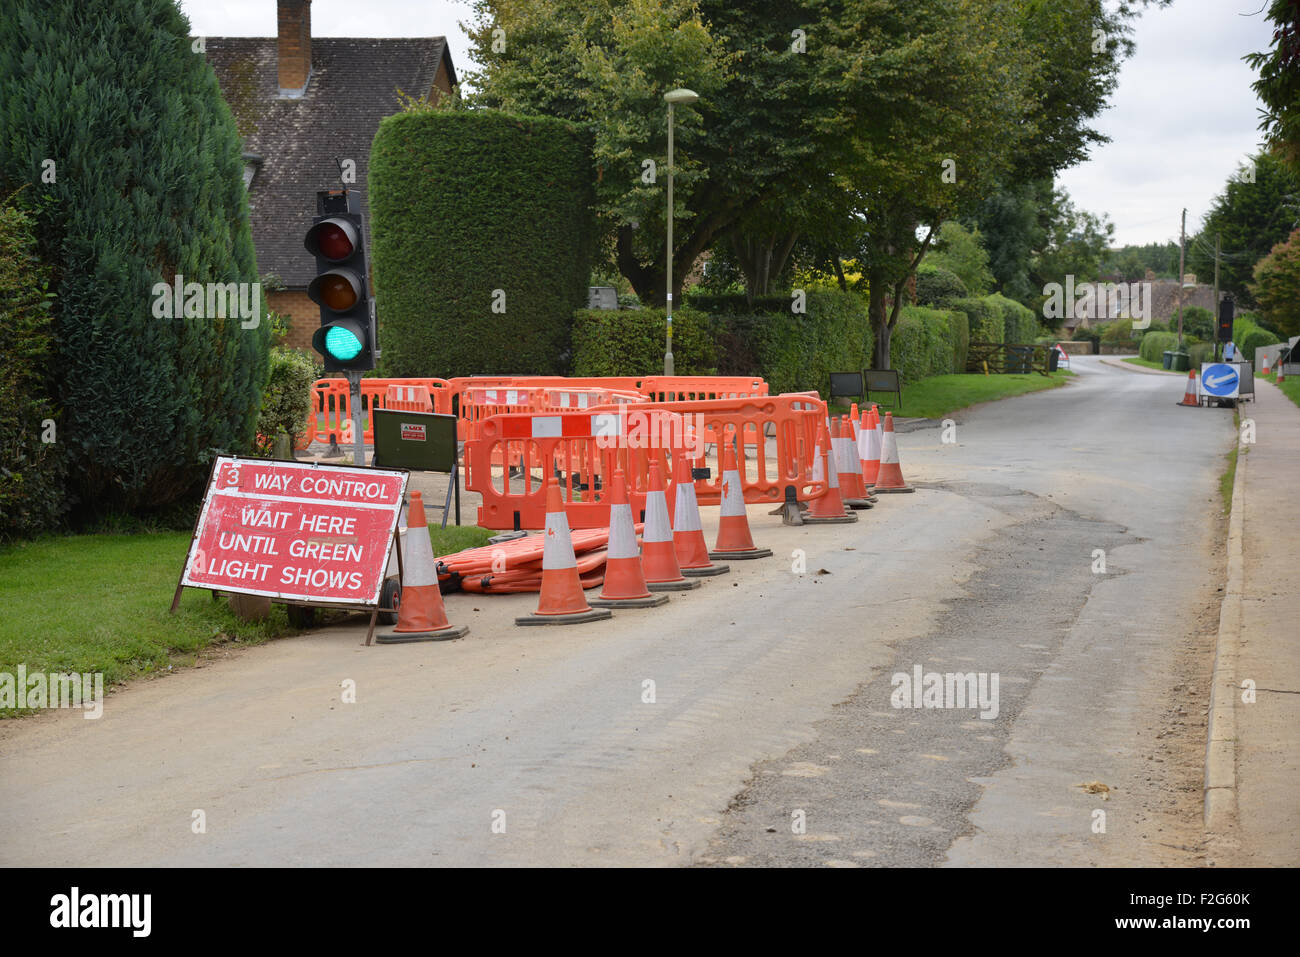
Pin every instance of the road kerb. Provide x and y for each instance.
(1220, 813)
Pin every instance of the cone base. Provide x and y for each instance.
(705, 571)
(742, 555)
(649, 601)
(402, 637)
(1188, 405)
(901, 488)
(858, 503)
(830, 520)
(686, 584)
(573, 618)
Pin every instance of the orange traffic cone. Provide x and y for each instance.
(561, 601)
(734, 539)
(869, 447)
(688, 535)
(420, 613)
(829, 508)
(658, 554)
(1265, 369)
(624, 580)
(890, 478)
(848, 465)
(1189, 397)
(1281, 371)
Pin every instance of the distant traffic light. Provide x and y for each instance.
(346, 337)
(1223, 329)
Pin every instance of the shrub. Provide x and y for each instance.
(631, 342)
(986, 320)
(794, 352)
(959, 326)
(1197, 321)
(1019, 324)
(1200, 352)
(1156, 344)
(466, 203)
(32, 471)
(1255, 339)
(923, 344)
(148, 185)
(287, 399)
(936, 286)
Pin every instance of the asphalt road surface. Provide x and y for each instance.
(746, 723)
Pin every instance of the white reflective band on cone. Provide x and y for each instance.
(557, 550)
(622, 534)
(817, 467)
(889, 454)
(657, 528)
(874, 441)
(833, 479)
(417, 560)
(687, 512)
(733, 499)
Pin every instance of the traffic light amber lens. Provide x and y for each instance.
(342, 344)
(333, 242)
(337, 293)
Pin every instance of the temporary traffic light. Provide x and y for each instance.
(1223, 329)
(346, 337)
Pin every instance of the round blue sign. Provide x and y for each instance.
(1219, 379)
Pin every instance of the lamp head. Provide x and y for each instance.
(681, 96)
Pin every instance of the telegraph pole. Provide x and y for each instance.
(1182, 253)
(1218, 346)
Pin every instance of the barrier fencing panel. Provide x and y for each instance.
(579, 450)
(788, 422)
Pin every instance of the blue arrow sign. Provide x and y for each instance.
(1220, 380)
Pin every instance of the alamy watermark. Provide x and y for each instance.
(41, 690)
(1094, 300)
(931, 689)
(209, 300)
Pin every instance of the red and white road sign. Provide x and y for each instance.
(296, 531)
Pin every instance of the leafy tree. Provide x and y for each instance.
(1132, 262)
(960, 250)
(1077, 244)
(133, 161)
(1279, 80)
(1277, 285)
(936, 286)
(1250, 218)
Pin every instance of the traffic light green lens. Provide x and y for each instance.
(342, 344)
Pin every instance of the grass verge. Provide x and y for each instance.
(99, 603)
(940, 395)
(1145, 363)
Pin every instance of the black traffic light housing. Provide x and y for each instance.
(347, 338)
(1223, 327)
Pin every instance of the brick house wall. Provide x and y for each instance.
(303, 316)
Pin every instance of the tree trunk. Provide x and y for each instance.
(876, 286)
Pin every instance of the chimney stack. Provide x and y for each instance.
(293, 48)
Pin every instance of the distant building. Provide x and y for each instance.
(302, 106)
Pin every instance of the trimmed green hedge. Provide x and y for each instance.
(32, 471)
(630, 342)
(927, 342)
(1200, 352)
(794, 352)
(464, 203)
(987, 321)
(936, 286)
(1018, 322)
(1155, 344)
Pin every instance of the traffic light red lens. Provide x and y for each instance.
(333, 242)
(337, 293)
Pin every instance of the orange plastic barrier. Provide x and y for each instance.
(408, 398)
(332, 405)
(580, 448)
(697, 388)
(788, 422)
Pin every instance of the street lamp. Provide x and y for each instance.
(672, 97)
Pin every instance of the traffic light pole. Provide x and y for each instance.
(358, 429)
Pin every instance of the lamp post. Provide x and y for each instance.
(672, 97)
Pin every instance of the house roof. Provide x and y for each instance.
(354, 84)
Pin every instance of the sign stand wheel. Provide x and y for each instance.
(390, 597)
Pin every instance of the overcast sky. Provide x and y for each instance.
(1183, 117)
